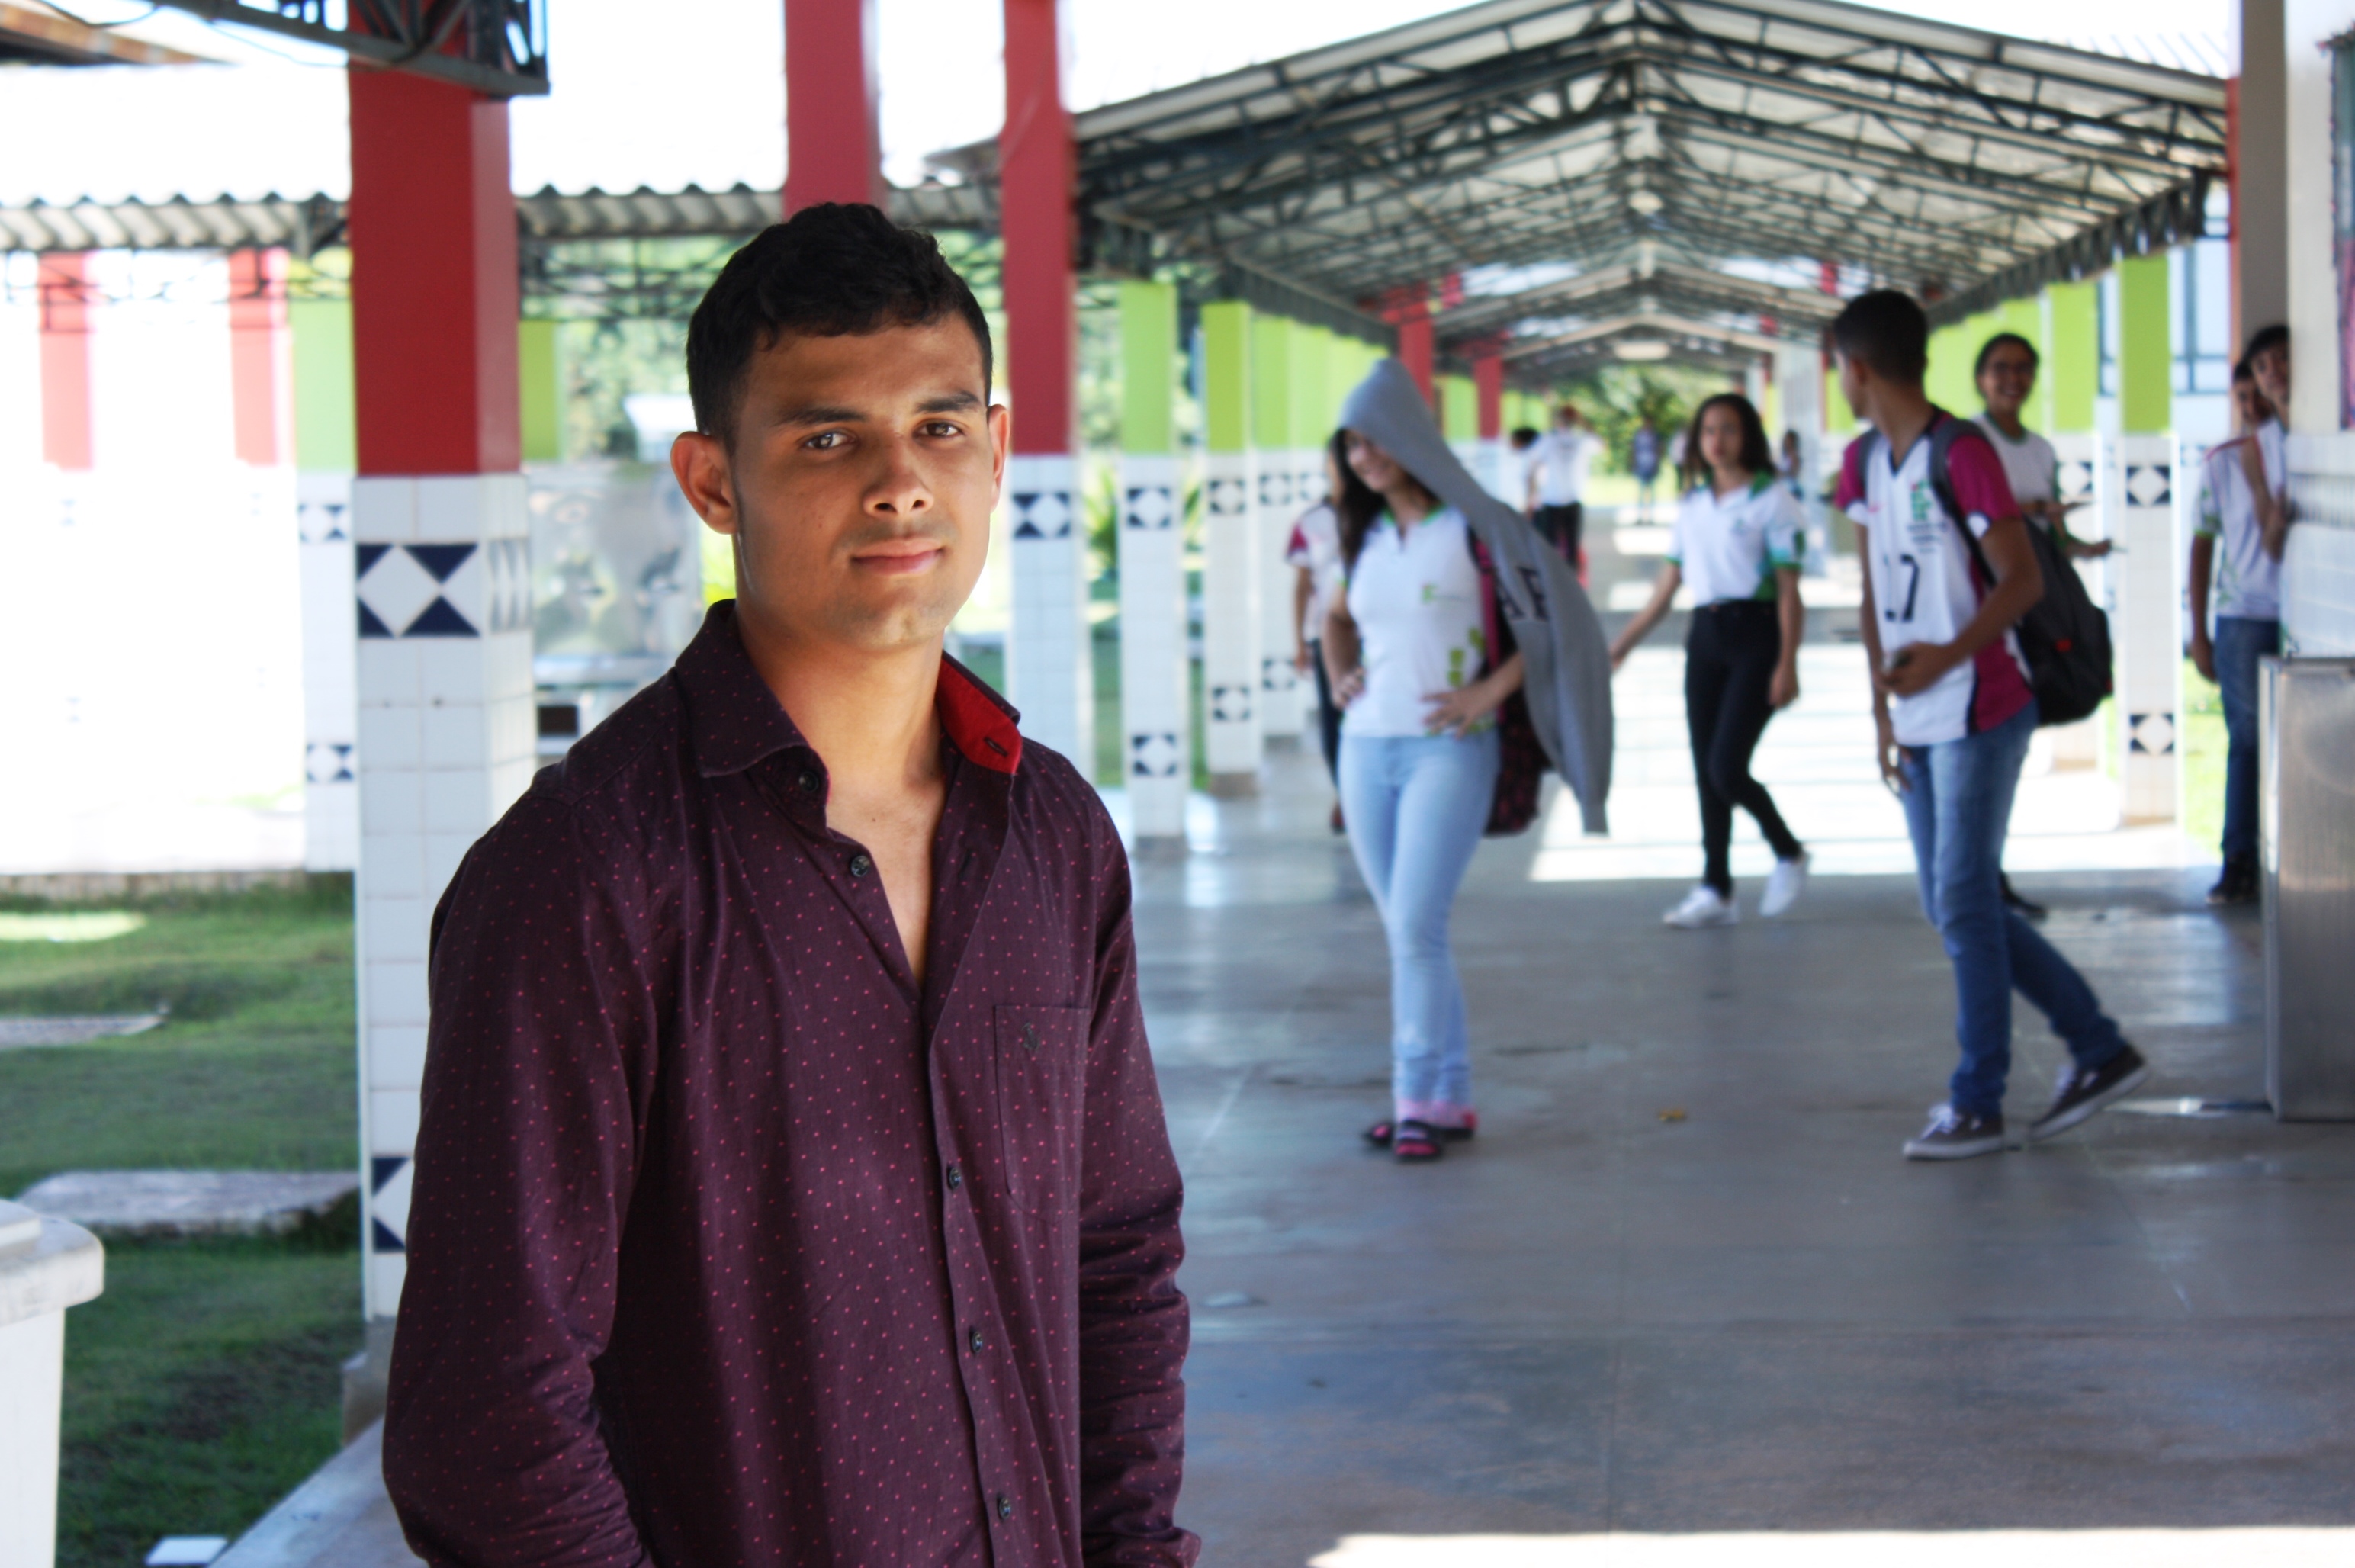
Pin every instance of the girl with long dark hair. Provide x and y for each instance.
(1407, 649)
(1737, 544)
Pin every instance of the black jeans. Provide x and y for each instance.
(1730, 660)
(1561, 526)
(1328, 718)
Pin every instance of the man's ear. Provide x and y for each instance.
(1001, 435)
(700, 464)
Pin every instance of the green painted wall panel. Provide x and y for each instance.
(325, 435)
(1271, 337)
(1148, 368)
(1459, 402)
(2073, 358)
(1226, 375)
(543, 397)
(1308, 353)
(2145, 346)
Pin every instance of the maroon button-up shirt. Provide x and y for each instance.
(731, 1244)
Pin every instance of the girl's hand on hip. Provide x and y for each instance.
(1454, 712)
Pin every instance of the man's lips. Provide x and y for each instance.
(898, 557)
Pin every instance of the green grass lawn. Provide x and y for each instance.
(202, 1386)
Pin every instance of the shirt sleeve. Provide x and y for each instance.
(2212, 505)
(539, 1052)
(1849, 496)
(1296, 548)
(1133, 1323)
(1974, 472)
(1785, 530)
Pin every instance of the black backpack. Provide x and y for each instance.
(2065, 637)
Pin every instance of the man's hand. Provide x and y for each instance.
(1914, 669)
(1349, 687)
(1891, 756)
(2203, 656)
(1300, 658)
(1784, 689)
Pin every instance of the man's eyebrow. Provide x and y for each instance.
(820, 413)
(949, 403)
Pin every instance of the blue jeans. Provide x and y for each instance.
(1958, 807)
(2240, 642)
(1415, 805)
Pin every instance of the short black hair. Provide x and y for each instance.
(1886, 330)
(2242, 371)
(2006, 340)
(831, 270)
(2273, 336)
(1525, 435)
(1756, 456)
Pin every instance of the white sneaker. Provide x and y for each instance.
(1783, 885)
(1703, 906)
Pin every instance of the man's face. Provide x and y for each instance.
(860, 486)
(2271, 368)
(2249, 403)
(1854, 385)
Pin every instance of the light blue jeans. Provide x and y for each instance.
(1415, 806)
(1958, 808)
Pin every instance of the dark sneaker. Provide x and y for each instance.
(1957, 1135)
(2082, 1091)
(2238, 885)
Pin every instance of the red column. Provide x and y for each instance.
(834, 150)
(64, 282)
(1038, 169)
(1415, 345)
(1489, 381)
(434, 292)
(257, 321)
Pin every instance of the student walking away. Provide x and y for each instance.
(793, 1186)
(1954, 712)
(2005, 376)
(1464, 656)
(2236, 554)
(1644, 462)
(1557, 484)
(1314, 552)
(1523, 456)
(1787, 463)
(1737, 545)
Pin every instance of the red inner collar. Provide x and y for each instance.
(976, 722)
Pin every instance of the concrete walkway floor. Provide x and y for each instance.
(1682, 1303)
(1683, 1286)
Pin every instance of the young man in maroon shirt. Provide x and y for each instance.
(793, 1186)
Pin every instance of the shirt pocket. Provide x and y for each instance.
(1041, 1090)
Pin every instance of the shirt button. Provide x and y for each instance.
(973, 1340)
(807, 781)
(860, 865)
(955, 1179)
(1004, 1506)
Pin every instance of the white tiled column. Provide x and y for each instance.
(1158, 743)
(1232, 622)
(331, 790)
(2146, 620)
(446, 738)
(1273, 512)
(1049, 674)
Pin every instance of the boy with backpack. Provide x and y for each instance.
(1950, 570)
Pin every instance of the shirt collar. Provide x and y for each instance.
(735, 720)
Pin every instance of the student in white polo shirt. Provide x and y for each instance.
(1949, 570)
(1736, 544)
(2236, 569)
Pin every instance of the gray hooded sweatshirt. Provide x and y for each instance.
(1568, 683)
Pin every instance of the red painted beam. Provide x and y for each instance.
(64, 296)
(1489, 381)
(834, 150)
(1039, 163)
(434, 292)
(1415, 347)
(257, 324)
